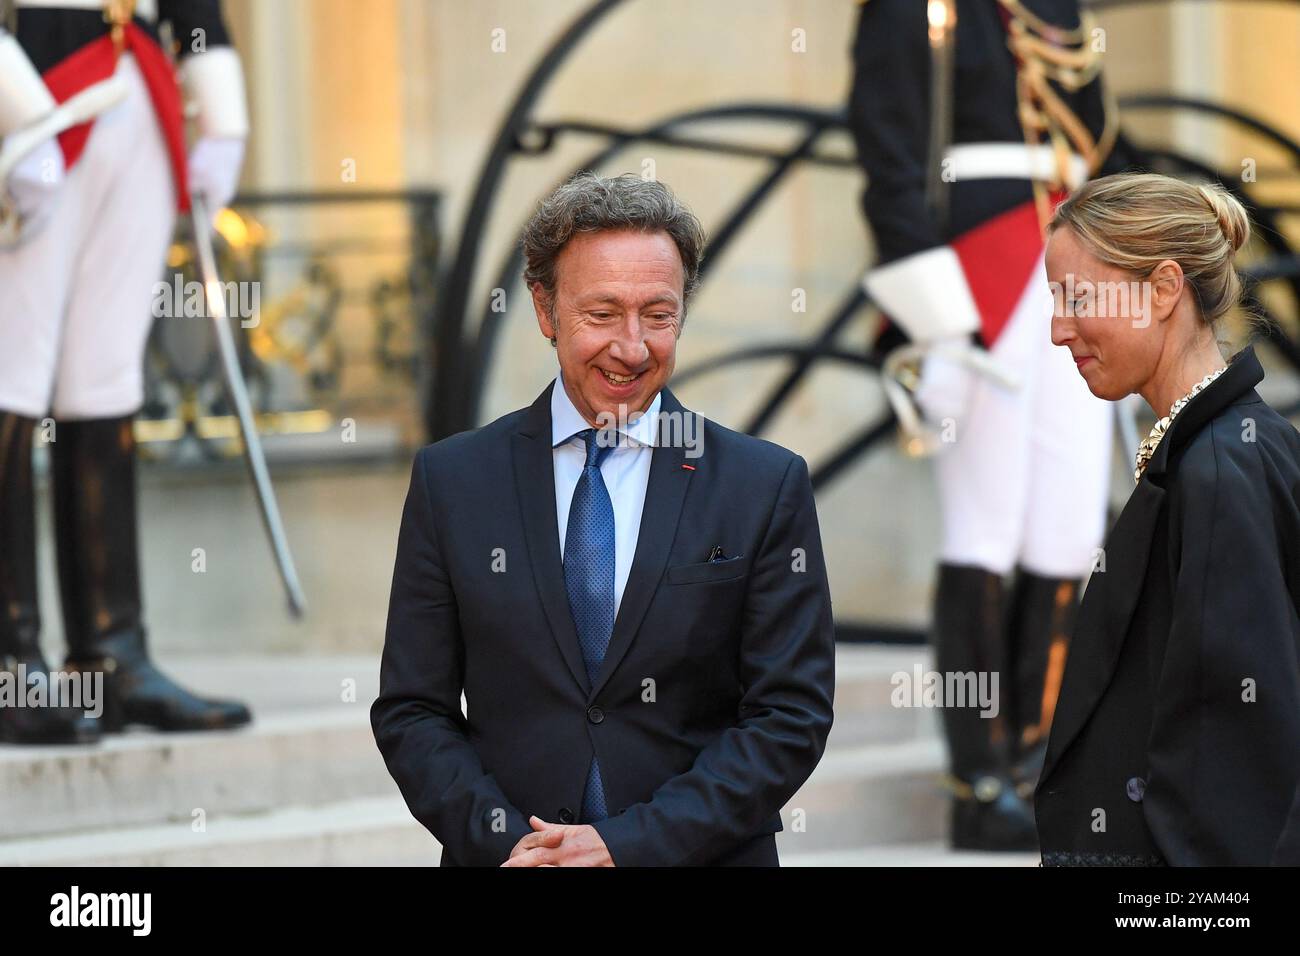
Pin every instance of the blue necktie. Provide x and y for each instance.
(589, 581)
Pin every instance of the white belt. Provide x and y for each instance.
(1011, 161)
(144, 9)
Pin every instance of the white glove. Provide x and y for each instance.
(214, 166)
(34, 184)
(944, 390)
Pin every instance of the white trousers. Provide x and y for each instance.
(1025, 479)
(75, 298)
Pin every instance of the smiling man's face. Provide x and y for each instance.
(618, 313)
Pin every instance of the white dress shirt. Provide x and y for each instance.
(626, 471)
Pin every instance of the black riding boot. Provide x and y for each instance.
(99, 577)
(970, 638)
(20, 617)
(1042, 618)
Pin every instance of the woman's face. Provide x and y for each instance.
(1104, 316)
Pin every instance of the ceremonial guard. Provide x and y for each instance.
(972, 118)
(95, 168)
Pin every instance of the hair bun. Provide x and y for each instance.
(1228, 210)
(1136, 221)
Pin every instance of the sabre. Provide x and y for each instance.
(942, 18)
(238, 392)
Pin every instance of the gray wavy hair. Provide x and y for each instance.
(590, 203)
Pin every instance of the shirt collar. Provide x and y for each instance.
(566, 421)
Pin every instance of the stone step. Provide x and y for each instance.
(308, 746)
(869, 794)
(312, 757)
(357, 832)
(864, 712)
(311, 748)
(873, 794)
(374, 831)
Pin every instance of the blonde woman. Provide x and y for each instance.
(1177, 734)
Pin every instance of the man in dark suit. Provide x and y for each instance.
(632, 599)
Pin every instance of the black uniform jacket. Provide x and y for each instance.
(49, 34)
(1176, 738)
(889, 116)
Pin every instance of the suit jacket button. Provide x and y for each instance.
(566, 815)
(595, 715)
(1135, 788)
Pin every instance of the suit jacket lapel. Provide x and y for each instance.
(534, 467)
(534, 472)
(1103, 621)
(664, 497)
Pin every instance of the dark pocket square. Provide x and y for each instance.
(707, 571)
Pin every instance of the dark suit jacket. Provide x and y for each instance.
(714, 700)
(1195, 612)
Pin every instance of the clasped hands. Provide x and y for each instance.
(558, 844)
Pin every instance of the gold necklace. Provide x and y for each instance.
(1148, 446)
